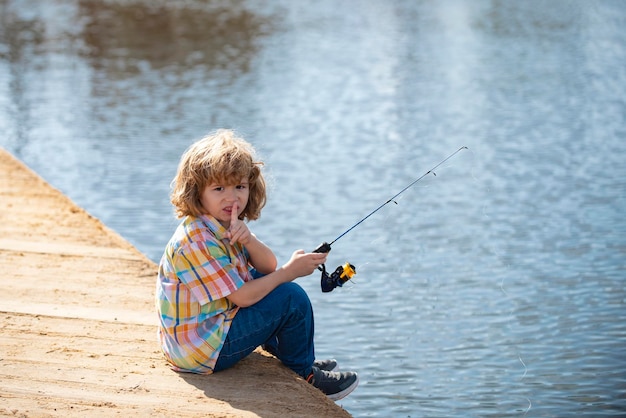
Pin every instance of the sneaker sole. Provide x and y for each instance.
(340, 395)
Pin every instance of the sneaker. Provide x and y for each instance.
(335, 385)
(328, 365)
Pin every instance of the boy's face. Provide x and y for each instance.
(218, 199)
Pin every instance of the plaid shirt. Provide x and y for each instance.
(199, 268)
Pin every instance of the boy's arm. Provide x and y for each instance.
(262, 257)
(300, 264)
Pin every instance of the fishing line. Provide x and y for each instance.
(391, 199)
(344, 273)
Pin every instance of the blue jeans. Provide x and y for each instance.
(282, 321)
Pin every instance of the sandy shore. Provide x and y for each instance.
(78, 325)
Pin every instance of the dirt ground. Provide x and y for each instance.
(78, 325)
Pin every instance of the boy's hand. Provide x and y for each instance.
(238, 230)
(302, 264)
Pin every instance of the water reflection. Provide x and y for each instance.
(121, 37)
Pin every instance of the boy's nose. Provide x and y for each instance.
(232, 195)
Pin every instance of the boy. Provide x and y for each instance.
(219, 292)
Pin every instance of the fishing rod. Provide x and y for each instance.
(346, 271)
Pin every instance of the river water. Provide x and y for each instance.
(494, 287)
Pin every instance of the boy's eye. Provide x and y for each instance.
(242, 186)
(218, 188)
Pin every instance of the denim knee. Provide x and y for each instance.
(297, 296)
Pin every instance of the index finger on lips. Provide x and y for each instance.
(233, 214)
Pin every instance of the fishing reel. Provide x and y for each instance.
(341, 274)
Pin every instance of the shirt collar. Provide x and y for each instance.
(214, 226)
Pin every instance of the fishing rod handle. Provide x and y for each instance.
(324, 247)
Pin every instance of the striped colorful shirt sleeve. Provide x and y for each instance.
(199, 268)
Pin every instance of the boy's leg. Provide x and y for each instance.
(284, 319)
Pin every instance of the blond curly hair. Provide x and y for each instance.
(219, 158)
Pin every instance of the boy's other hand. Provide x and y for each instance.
(238, 230)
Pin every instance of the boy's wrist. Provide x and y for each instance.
(285, 274)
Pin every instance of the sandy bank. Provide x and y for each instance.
(77, 334)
